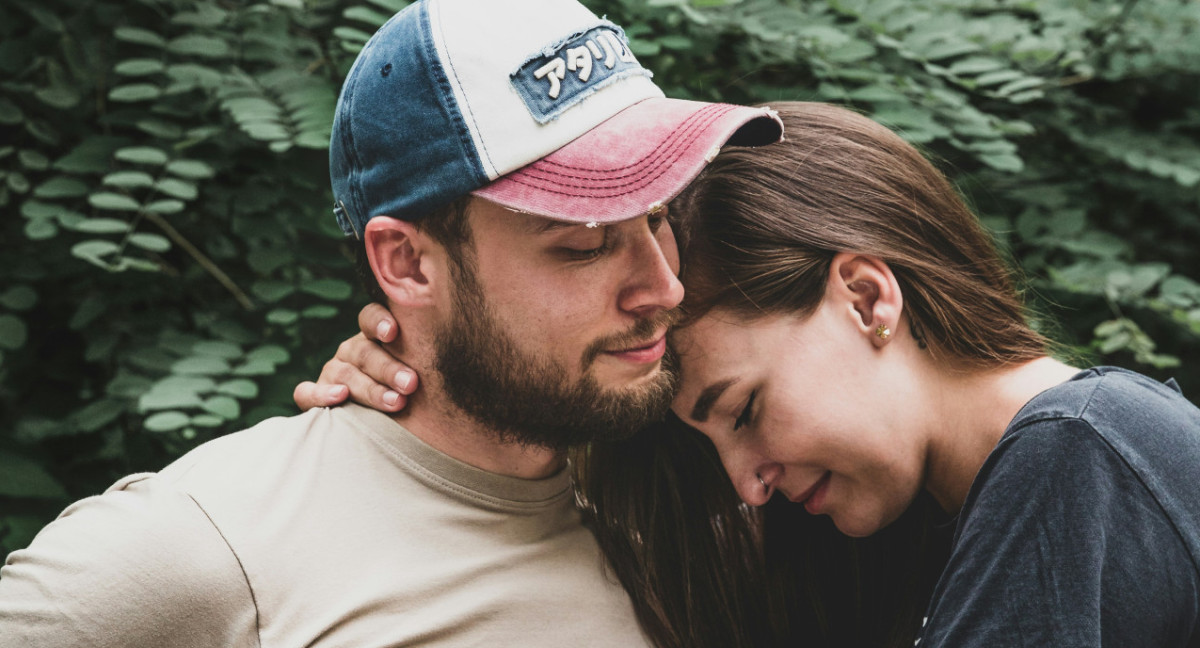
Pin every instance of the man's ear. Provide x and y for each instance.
(866, 285)
(400, 255)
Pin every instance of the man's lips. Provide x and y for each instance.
(648, 352)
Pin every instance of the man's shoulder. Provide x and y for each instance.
(270, 454)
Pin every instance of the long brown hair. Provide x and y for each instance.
(757, 232)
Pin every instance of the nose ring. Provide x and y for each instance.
(761, 481)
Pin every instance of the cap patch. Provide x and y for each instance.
(562, 75)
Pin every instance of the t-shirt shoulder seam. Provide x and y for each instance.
(1124, 462)
(241, 567)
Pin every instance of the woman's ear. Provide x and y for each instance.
(866, 285)
(397, 252)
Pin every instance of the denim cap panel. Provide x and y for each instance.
(400, 146)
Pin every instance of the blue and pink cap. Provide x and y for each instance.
(537, 105)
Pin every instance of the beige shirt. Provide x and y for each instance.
(333, 528)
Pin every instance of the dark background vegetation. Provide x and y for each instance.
(170, 268)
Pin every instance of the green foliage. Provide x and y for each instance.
(171, 269)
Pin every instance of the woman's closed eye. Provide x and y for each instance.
(744, 417)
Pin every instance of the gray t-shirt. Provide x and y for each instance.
(334, 528)
(1082, 529)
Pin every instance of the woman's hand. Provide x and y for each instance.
(363, 369)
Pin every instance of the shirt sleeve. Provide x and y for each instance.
(140, 565)
(1061, 544)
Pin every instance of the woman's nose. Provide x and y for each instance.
(755, 484)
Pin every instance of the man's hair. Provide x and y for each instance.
(448, 225)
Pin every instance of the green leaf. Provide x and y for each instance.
(851, 52)
(139, 36)
(192, 74)
(167, 398)
(271, 353)
(9, 113)
(948, 49)
(197, 45)
(150, 241)
(96, 415)
(58, 97)
(13, 332)
(272, 291)
(135, 92)
(366, 15)
(102, 226)
(255, 368)
(223, 406)
(139, 67)
(38, 209)
(142, 155)
(283, 316)
(334, 289)
(22, 477)
(166, 421)
(205, 15)
(217, 349)
(91, 156)
(200, 365)
(33, 160)
(1003, 162)
(190, 169)
(1020, 84)
(128, 179)
(999, 76)
(61, 187)
(165, 207)
(159, 128)
(320, 311)
(93, 251)
(113, 202)
(207, 420)
(240, 388)
(40, 229)
(176, 188)
(18, 298)
(18, 182)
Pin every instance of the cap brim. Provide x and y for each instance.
(633, 163)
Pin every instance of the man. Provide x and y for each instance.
(504, 164)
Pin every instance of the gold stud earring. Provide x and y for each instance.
(883, 332)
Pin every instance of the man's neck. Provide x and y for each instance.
(433, 419)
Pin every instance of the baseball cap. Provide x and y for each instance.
(537, 105)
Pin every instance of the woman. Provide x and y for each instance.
(853, 347)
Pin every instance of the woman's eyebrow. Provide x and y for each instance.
(709, 396)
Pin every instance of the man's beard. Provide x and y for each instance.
(529, 399)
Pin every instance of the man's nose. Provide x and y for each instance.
(654, 284)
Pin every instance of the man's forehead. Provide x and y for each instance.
(526, 223)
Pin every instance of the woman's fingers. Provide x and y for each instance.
(376, 322)
(309, 394)
(363, 369)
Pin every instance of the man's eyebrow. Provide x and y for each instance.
(543, 225)
(707, 397)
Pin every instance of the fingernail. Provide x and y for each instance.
(390, 398)
(335, 392)
(403, 380)
(383, 329)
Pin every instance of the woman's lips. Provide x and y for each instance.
(814, 497)
(643, 354)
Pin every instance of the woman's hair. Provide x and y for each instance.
(759, 228)
(757, 232)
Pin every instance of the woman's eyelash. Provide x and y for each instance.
(744, 417)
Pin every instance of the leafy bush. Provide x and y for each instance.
(171, 268)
